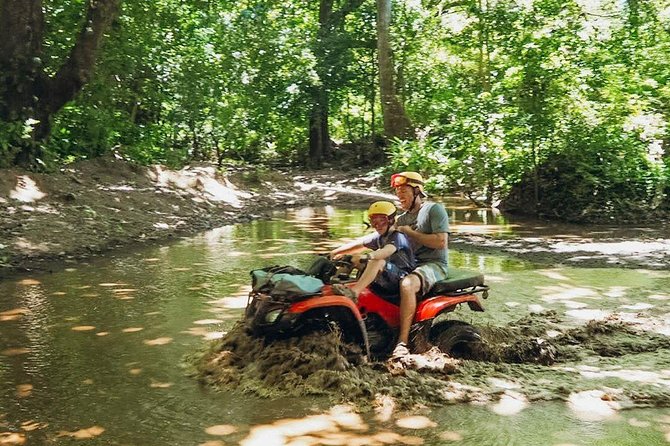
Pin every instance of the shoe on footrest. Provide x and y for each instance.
(345, 291)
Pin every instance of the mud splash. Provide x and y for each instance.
(536, 358)
(316, 364)
(544, 339)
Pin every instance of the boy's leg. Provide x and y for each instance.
(369, 274)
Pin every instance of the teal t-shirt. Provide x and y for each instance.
(432, 218)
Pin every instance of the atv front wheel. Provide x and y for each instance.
(458, 339)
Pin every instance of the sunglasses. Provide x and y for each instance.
(376, 219)
(398, 180)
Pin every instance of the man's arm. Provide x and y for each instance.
(433, 241)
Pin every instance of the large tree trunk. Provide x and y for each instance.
(21, 29)
(319, 136)
(396, 121)
(26, 92)
(484, 74)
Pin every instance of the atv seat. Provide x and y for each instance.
(460, 281)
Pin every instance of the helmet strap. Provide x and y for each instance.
(416, 194)
(391, 221)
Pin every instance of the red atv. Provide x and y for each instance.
(374, 320)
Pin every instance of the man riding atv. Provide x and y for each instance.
(427, 227)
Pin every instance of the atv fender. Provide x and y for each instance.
(339, 309)
(429, 309)
(325, 301)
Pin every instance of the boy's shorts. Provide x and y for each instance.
(389, 278)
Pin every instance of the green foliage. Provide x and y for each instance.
(598, 178)
(10, 134)
(545, 100)
(13, 135)
(509, 91)
(422, 154)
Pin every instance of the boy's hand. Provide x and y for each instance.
(334, 256)
(358, 259)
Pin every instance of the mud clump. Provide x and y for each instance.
(522, 342)
(610, 339)
(527, 341)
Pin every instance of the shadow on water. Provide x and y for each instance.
(97, 351)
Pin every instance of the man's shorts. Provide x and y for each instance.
(430, 273)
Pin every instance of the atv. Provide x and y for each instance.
(373, 321)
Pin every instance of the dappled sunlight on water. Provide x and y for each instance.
(510, 403)
(627, 247)
(662, 377)
(338, 426)
(593, 405)
(589, 314)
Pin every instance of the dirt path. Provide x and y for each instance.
(50, 220)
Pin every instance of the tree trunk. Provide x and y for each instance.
(21, 29)
(396, 122)
(26, 91)
(484, 62)
(633, 19)
(484, 74)
(319, 137)
(319, 134)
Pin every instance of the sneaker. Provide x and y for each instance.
(400, 351)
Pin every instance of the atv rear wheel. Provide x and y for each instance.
(458, 339)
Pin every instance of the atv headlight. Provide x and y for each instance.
(272, 316)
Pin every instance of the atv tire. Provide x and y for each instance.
(458, 340)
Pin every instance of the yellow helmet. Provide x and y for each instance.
(411, 178)
(382, 207)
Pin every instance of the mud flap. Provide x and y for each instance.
(364, 336)
(419, 336)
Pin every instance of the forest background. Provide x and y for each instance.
(557, 108)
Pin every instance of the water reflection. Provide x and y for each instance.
(98, 351)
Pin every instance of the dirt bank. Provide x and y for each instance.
(50, 220)
(92, 207)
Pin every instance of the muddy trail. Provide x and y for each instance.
(606, 366)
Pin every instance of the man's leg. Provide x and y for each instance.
(409, 288)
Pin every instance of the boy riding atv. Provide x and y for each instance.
(392, 257)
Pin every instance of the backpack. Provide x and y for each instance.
(285, 281)
(322, 268)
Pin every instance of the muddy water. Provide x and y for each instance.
(101, 352)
